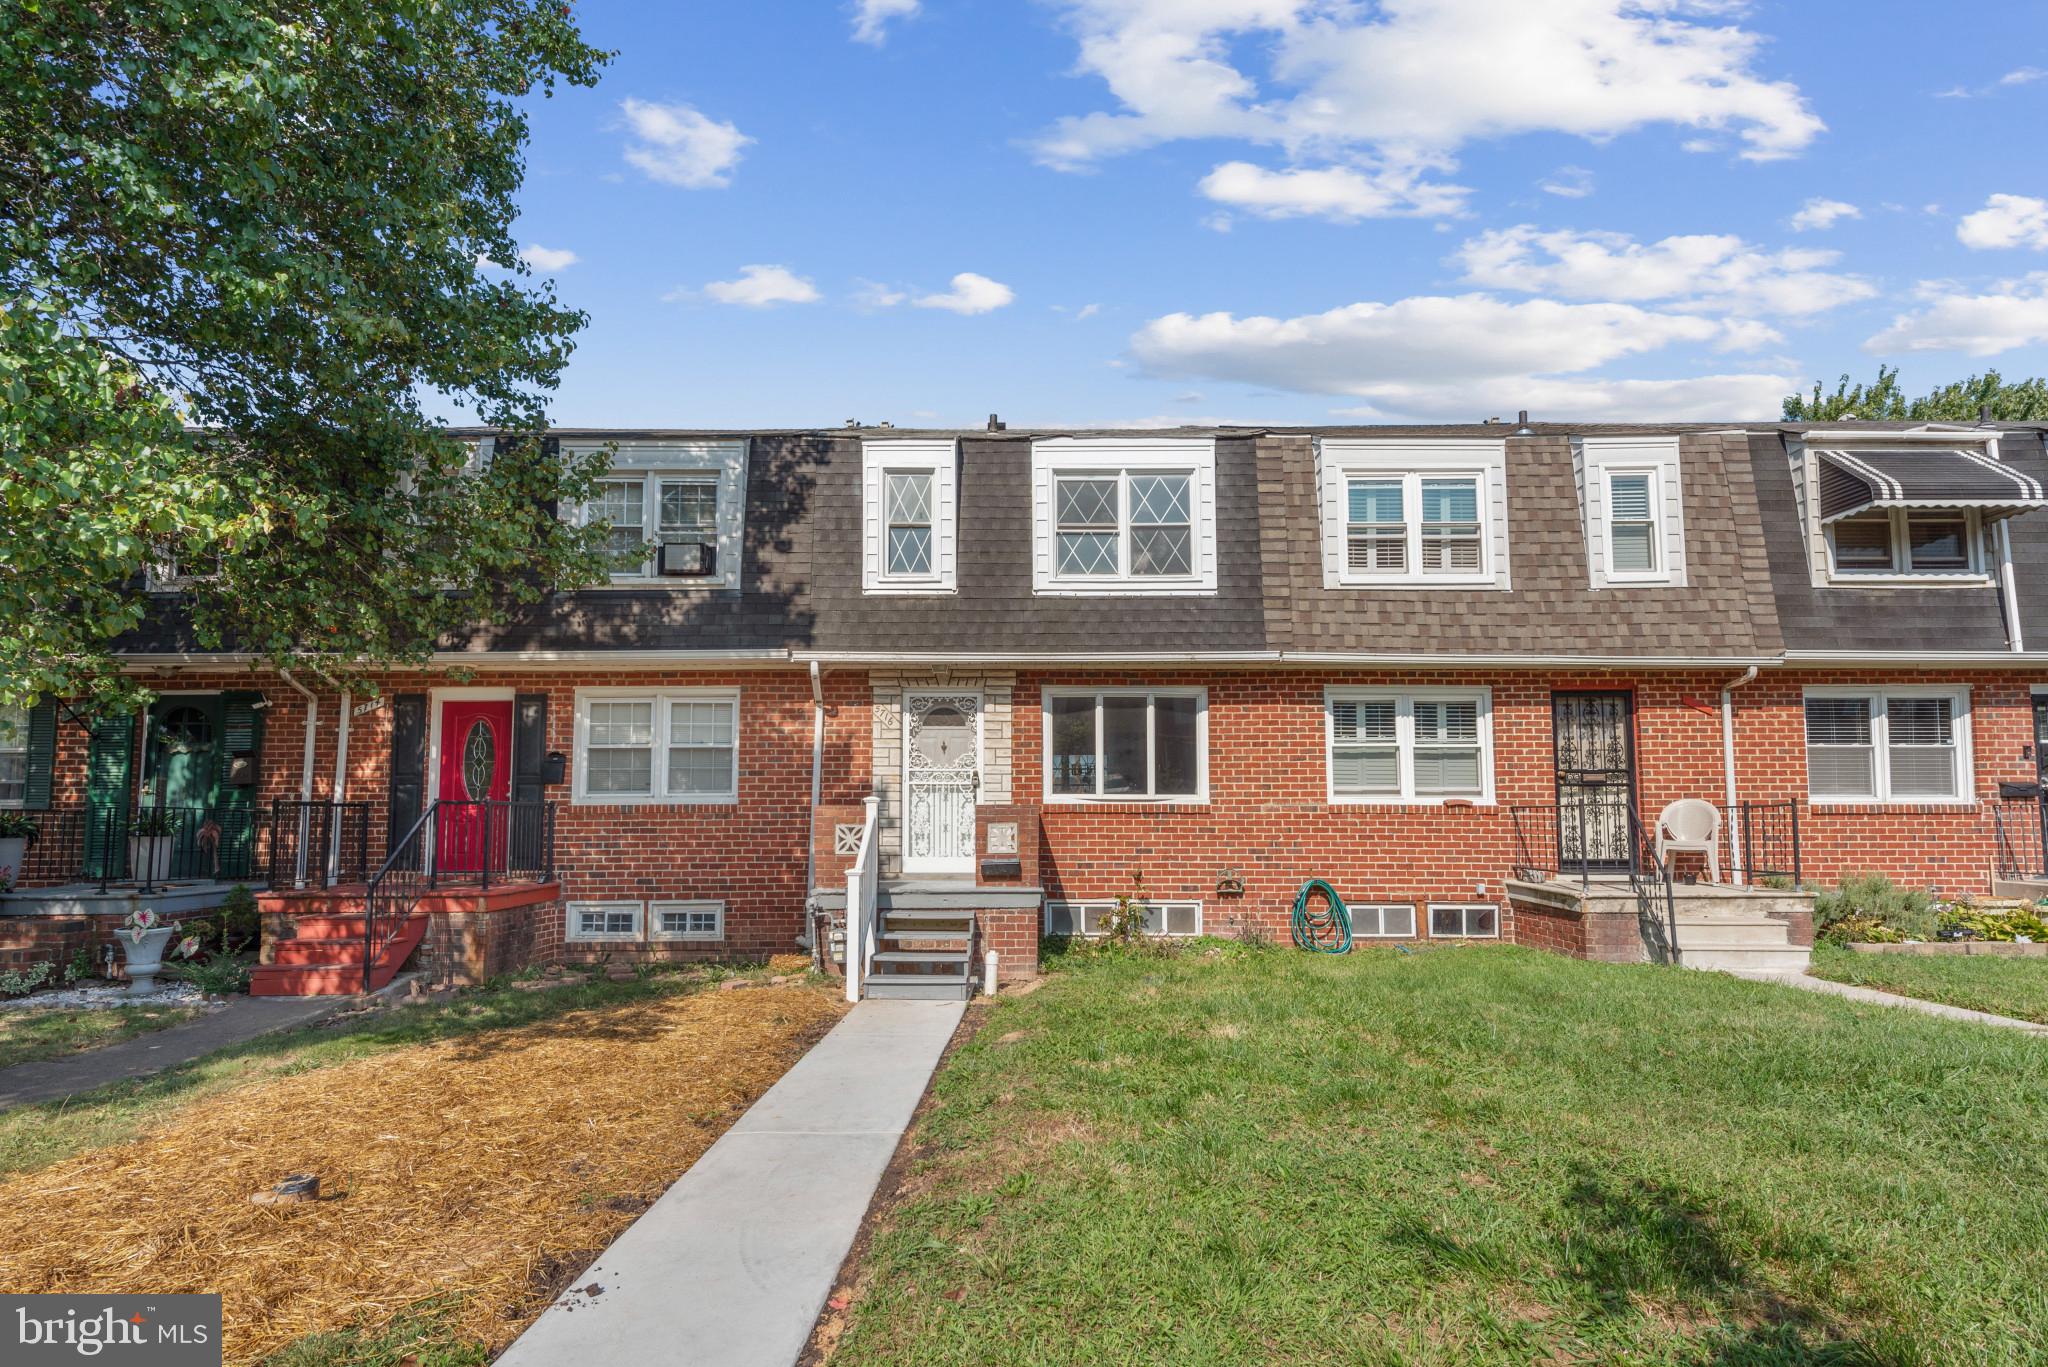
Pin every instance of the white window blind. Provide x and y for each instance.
(1388, 745)
(1632, 523)
(1905, 745)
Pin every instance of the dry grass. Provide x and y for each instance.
(482, 1166)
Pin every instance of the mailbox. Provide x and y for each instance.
(554, 768)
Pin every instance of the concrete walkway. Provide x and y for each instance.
(1873, 997)
(732, 1265)
(241, 1020)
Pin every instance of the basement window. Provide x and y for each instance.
(592, 921)
(1464, 921)
(688, 920)
(1088, 919)
(1383, 921)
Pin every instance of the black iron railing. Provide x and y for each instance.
(1760, 840)
(1566, 843)
(1649, 877)
(394, 891)
(319, 844)
(2019, 827)
(146, 846)
(482, 842)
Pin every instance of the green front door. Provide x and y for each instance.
(181, 774)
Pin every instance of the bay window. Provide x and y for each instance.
(1126, 745)
(1887, 745)
(678, 746)
(1419, 745)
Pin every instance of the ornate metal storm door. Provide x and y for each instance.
(941, 780)
(1596, 779)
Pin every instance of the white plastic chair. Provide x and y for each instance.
(1692, 824)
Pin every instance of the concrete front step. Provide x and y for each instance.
(1728, 932)
(1785, 959)
(931, 987)
(955, 957)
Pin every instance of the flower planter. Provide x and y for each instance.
(13, 851)
(144, 956)
(149, 858)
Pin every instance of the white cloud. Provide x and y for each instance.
(1710, 272)
(1438, 356)
(1405, 84)
(676, 145)
(970, 293)
(1087, 311)
(872, 294)
(1344, 194)
(871, 18)
(2006, 221)
(548, 258)
(2014, 314)
(1568, 182)
(2025, 75)
(1818, 215)
(762, 287)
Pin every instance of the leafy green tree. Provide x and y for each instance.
(1884, 401)
(245, 245)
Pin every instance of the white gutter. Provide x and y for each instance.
(1355, 658)
(1932, 659)
(1728, 762)
(2011, 587)
(305, 766)
(340, 787)
(510, 658)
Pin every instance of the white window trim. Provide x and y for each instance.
(1414, 921)
(1597, 460)
(1404, 741)
(1880, 740)
(572, 935)
(1339, 460)
(1467, 908)
(648, 462)
(880, 459)
(1201, 794)
(1977, 572)
(660, 697)
(1101, 905)
(1099, 457)
(17, 745)
(655, 932)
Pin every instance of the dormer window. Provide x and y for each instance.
(1115, 515)
(910, 516)
(1920, 505)
(1634, 510)
(1404, 513)
(673, 513)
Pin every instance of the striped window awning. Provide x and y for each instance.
(1853, 482)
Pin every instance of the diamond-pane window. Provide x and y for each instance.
(908, 499)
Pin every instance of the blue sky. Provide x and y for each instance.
(1153, 211)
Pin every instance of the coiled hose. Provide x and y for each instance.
(1321, 932)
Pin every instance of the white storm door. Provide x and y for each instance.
(941, 780)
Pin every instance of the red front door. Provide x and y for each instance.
(476, 771)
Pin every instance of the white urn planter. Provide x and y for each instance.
(13, 852)
(144, 957)
(149, 858)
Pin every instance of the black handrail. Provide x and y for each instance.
(319, 843)
(2020, 836)
(1769, 845)
(394, 891)
(1649, 877)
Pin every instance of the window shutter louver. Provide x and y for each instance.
(235, 805)
(408, 765)
(42, 755)
(109, 768)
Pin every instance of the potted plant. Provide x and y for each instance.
(17, 832)
(150, 842)
(142, 936)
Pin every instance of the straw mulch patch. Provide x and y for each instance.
(479, 1166)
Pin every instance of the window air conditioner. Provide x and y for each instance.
(686, 560)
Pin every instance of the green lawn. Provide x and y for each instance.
(31, 1033)
(2005, 987)
(1463, 1156)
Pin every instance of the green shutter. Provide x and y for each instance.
(109, 770)
(42, 755)
(235, 803)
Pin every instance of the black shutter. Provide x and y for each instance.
(408, 764)
(42, 755)
(109, 769)
(240, 760)
(529, 746)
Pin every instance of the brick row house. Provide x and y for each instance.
(924, 694)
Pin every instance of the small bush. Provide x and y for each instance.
(1874, 897)
(241, 925)
(1864, 930)
(1968, 923)
(19, 982)
(224, 975)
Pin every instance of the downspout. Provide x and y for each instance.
(340, 787)
(818, 950)
(2011, 587)
(305, 766)
(1735, 851)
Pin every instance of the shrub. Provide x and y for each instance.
(1866, 930)
(19, 982)
(241, 925)
(2005, 927)
(1874, 897)
(223, 975)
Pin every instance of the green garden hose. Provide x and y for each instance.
(1321, 932)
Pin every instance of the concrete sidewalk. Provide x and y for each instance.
(732, 1265)
(1871, 996)
(243, 1019)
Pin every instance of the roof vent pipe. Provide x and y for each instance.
(996, 424)
(1522, 428)
(1984, 415)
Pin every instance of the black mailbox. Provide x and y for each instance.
(2019, 790)
(554, 768)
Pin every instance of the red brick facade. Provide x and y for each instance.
(1267, 817)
